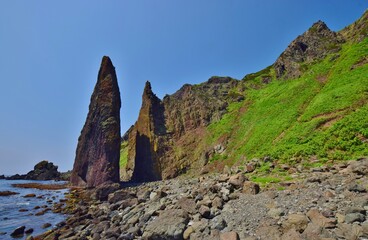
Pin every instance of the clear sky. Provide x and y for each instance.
(50, 52)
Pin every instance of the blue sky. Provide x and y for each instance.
(50, 52)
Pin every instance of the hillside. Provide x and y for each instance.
(310, 106)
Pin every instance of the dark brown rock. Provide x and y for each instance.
(7, 193)
(143, 156)
(43, 170)
(18, 232)
(98, 150)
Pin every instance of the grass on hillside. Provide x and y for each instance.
(324, 113)
(123, 154)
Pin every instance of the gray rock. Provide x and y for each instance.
(354, 217)
(170, 224)
(218, 223)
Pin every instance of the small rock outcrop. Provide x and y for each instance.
(98, 150)
(143, 157)
(357, 31)
(315, 44)
(43, 170)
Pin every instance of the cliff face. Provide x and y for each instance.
(161, 143)
(98, 150)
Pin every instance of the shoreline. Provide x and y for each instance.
(320, 202)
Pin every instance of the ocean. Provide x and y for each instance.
(16, 211)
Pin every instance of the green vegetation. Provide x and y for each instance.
(265, 180)
(323, 114)
(123, 154)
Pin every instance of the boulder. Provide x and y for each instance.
(18, 232)
(297, 221)
(170, 224)
(237, 180)
(251, 188)
(98, 151)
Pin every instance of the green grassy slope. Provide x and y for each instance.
(323, 114)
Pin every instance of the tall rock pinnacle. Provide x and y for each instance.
(144, 140)
(98, 150)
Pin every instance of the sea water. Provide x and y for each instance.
(11, 217)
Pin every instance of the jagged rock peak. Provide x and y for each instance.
(320, 26)
(314, 44)
(98, 150)
(147, 92)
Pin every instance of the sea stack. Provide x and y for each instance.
(144, 139)
(98, 150)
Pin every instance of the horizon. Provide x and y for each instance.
(51, 57)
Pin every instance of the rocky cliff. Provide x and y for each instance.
(98, 150)
(313, 45)
(161, 143)
(225, 121)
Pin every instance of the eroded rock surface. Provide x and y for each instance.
(98, 150)
(315, 44)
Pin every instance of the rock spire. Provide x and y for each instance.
(98, 150)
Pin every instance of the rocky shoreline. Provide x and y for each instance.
(326, 202)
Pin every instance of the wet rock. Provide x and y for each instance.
(29, 231)
(31, 195)
(98, 150)
(18, 232)
(46, 225)
(7, 193)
